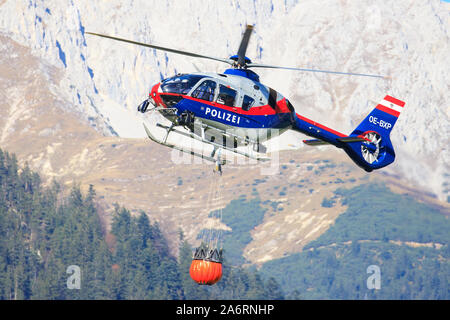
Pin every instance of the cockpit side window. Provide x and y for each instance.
(227, 96)
(180, 84)
(247, 103)
(205, 90)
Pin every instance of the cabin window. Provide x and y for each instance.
(247, 103)
(180, 84)
(227, 96)
(272, 98)
(205, 90)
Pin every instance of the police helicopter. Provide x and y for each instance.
(234, 108)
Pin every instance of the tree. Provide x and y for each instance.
(273, 290)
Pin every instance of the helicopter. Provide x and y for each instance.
(233, 108)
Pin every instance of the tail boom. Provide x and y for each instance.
(369, 145)
(314, 129)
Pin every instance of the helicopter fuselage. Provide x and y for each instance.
(232, 103)
(235, 104)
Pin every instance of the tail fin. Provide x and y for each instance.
(377, 151)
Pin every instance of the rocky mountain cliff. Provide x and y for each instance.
(68, 102)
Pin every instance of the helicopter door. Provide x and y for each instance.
(227, 96)
(247, 103)
(205, 91)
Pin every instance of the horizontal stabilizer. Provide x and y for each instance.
(352, 139)
(318, 142)
(315, 142)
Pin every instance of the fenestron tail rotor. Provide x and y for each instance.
(371, 150)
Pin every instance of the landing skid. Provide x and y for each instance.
(171, 115)
(164, 143)
(212, 157)
(202, 139)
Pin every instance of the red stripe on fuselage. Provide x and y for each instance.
(388, 110)
(254, 111)
(155, 95)
(281, 106)
(321, 126)
(395, 101)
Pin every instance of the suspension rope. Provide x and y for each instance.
(213, 234)
(207, 234)
(218, 243)
(213, 225)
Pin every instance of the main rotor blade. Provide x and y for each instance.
(244, 43)
(257, 65)
(186, 53)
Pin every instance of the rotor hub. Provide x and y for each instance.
(246, 73)
(236, 64)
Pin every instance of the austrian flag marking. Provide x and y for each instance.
(391, 105)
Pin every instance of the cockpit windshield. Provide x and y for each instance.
(180, 84)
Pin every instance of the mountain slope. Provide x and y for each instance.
(406, 240)
(104, 81)
(58, 89)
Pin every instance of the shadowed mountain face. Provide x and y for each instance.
(43, 128)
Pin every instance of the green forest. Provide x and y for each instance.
(407, 240)
(241, 215)
(45, 231)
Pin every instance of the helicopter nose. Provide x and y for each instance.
(155, 95)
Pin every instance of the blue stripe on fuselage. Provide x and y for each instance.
(206, 111)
